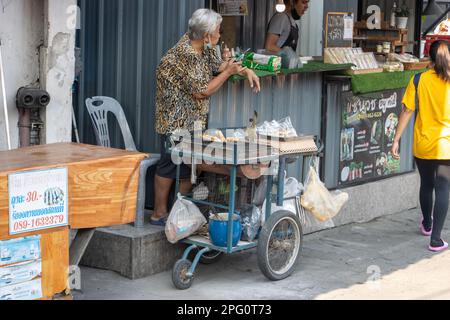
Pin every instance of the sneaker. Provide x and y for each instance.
(442, 247)
(424, 231)
(159, 223)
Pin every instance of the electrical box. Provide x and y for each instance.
(28, 98)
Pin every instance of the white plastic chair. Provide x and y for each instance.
(99, 109)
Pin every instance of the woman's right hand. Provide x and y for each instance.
(234, 67)
(394, 150)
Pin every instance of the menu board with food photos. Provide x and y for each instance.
(369, 124)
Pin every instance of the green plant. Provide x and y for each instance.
(403, 11)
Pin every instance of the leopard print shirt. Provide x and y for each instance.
(182, 73)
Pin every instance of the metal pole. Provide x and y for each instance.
(231, 208)
(281, 177)
(5, 107)
(75, 127)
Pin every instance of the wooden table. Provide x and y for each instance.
(102, 186)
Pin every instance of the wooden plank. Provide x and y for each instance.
(103, 182)
(79, 245)
(104, 193)
(55, 262)
(58, 154)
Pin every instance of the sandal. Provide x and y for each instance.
(424, 231)
(160, 223)
(438, 248)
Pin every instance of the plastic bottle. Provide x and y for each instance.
(393, 16)
(226, 52)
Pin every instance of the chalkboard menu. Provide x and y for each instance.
(369, 124)
(339, 30)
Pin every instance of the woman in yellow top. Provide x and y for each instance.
(431, 140)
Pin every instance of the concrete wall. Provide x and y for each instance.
(38, 45)
(58, 68)
(21, 33)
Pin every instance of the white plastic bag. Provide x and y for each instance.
(251, 222)
(184, 220)
(292, 189)
(323, 204)
(200, 192)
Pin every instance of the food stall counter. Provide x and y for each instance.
(102, 182)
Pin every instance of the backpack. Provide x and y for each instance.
(416, 84)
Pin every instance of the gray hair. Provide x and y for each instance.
(203, 21)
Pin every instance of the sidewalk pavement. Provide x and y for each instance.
(383, 259)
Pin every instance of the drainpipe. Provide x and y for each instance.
(24, 127)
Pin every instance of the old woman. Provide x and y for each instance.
(189, 74)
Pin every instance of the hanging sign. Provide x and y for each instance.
(38, 200)
(339, 30)
(233, 7)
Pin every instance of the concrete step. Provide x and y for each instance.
(133, 253)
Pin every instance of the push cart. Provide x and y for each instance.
(280, 239)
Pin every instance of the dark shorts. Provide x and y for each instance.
(166, 168)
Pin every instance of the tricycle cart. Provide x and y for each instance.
(280, 240)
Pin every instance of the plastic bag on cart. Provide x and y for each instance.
(281, 129)
(310, 223)
(184, 220)
(323, 204)
(292, 189)
(251, 222)
(200, 192)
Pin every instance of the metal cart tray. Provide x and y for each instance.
(202, 241)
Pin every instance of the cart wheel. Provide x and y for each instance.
(279, 245)
(211, 257)
(179, 274)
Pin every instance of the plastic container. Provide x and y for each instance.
(218, 229)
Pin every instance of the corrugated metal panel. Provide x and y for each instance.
(298, 96)
(252, 31)
(122, 44)
(311, 27)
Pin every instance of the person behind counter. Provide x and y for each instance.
(431, 140)
(283, 30)
(185, 82)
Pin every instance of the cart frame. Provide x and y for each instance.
(203, 244)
